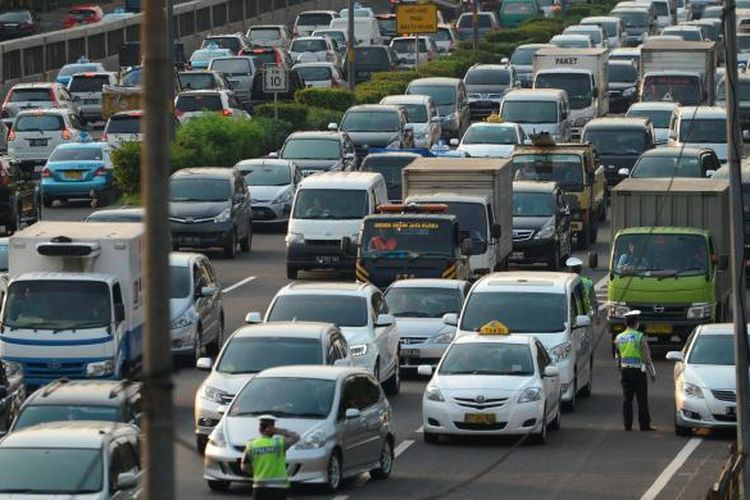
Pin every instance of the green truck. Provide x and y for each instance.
(670, 246)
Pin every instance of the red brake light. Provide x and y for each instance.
(46, 172)
(101, 171)
(226, 112)
(11, 135)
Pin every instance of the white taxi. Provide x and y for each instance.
(492, 383)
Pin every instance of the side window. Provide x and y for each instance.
(357, 394)
(377, 305)
(341, 346)
(123, 459)
(541, 357)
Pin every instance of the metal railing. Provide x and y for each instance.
(728, 486)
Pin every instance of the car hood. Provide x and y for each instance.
(686, 289)
(374, 139)
(325, 229)
(240, 430)
(529, 222)
(356, 335)
(487, 150)
(719, 149)
(196, 209)
(422, 327)
(231, 383)
(267, 193)
(719, 377)
(316, 165)
(178, 306)
(483, 383)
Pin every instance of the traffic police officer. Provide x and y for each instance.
(265, 456)
(634, 360)
(576, 266)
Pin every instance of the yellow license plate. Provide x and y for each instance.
(576, 226)
(659, 328)
(73, 174)
(479, 418)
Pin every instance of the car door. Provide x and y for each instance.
(123, 459)
(213, 306)
(551, 384)
(582, 336)
(354, 433)
(206, 326)
(385, 336)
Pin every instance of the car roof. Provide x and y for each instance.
(311, 371)
(618, 122)
(436, 80)
(315, 134)
(489, 66)
(655, 105)
(183, 258)
(315, 64)
(527, 281)
(702, 111)
(598, 19)
(429, 283)
(547, 94)
(534, 186)
(289, 329)
(44, 111)
(330, 287)
(391, 108)
(221, 172)
(79, 434)
(341, 180)
(81, 145)
(263, 162)
(114, 211)
(35, 85)
(717, 329)
(393, 154)
(674, 151)
(201, 92)
(83, 392)
(406, 99)
(476, 338)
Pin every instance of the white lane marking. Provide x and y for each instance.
(402, 447)
(671, 469)
(420, 430)
(340, 497)
(601, 283)
(239, 284)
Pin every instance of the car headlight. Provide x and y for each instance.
(530, 394)
(358, 350)
(444, 338)
(432, 393)
(284, 197)
(617, 309)
(561, 351)
(184, 320)
(100, 368)
(699, 310)
(294, 238)
(224, 216)
(214, 394)
(628, 92)
(580, 121)
(692, 390)
(217, 438)
(314, 440)
(546, 232)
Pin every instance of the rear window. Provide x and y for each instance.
(315, 73)
(15, 17)
(487, 77)
(314, 19)
(265, 34)
(229, 42)
(237, 66)
(197, 81)
(77, 154)
(189, 103)
(38, 122)
(372, 57)
(483, 21)
(308, 46)
(22, 95)
(85, 83)
(81, 13)
(124, 125)
(406, 45)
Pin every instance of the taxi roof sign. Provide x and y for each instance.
(416, 18)
(494, 328)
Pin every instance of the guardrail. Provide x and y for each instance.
(728, 487)
(39, 57)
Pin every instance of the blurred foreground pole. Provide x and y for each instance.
(475, 22)
(350, 49)
(158, 432)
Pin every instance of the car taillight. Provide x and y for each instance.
(11, 135)
(101, 171)
(46, 172)
(178, 113)
(6, 100)
(104, 137)
(226, 112)
(66, 135)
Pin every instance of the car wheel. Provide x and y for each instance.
(541, 436)
(392, 386)
(198, 344)
(246, 243)
(47, 201)
(218, 485)
(556, 423)
(586, 391)
(681, 430)
(571, 405)
(385, 464)
(333, 472)
(430, 437)
(554, 261)
(230, 249)
(291, 272)
(200, 443)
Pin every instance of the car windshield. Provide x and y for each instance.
(529, 111)
(179, 282)
(609, 27)
(387, 25)
(521, 312)
(311, 149)
(57, 305)
(483, 21)
(124, 125)
(661, 8)
(192, 103)
(407, 238)
(523, 56)
(341, 310)
(406, 45)
(530, 204)
(77, 154)
(267, 175)
(72, 69)
(199, 189)
(30, 95)
(703, 130)
(659, 118)
(576, 85)
(88, 83)
(315, 73)
(265, 34)
(712, 350)
(518, 8)
(417, 113)
(660, 255)
(79, 14)
(472, 221)
(255, 354)
(336, 35)
(565, 169)
(308, 45)
(442, 95)
(682, 89)
(743, 93)
(333, 204)
(18, 16)
(40, 414)
(132, 78)
(633, 19)
(38, 123)
(197, 81)
(612, 141)
(314, 19)
(371, 121)
(488, 358)
(488, 134)
(228, 42)
(623, 73)
(419, 302)
(497, 77)
(287, 397)
(235, 66)
(667, 166)
(67, 471)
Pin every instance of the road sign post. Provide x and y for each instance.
(416, 19)
(275, 80)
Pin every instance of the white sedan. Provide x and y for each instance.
(490, 140)
(704, 380)
(492, 384)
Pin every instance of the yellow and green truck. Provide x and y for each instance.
(670, 245)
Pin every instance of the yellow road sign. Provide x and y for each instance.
(416, 18)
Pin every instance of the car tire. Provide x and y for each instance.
(557, 422)
(333, 472)
(571, 405)
(230, 249)
(681, 430)
(430, 437)
(220, 486)
(586, 391)
(200, 443)
(392, 386)
(540, 437)
(198, 344)
(291, 272)
(554, 260)
(385, 463)
(246, 243)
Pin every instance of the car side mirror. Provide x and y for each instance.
(435, 119)
(450, 319)
(207, 291)
(273, 154)
(203, 363)
(119, 313)
(722, 263)
(595, 93)
(127, 481)
(349, 156)
(710, 173)
(424, 370)
(496, 231)
(674, 356)
(346, 245)
(384, 320)
(352, 413)
(253, 318)
(551, 371)
(333, 126)
(581, 321)
(467, 247)
(623, 172)
(454, 142)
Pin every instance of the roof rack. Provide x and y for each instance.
(54, 385)
(119, 387)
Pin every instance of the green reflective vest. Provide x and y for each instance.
(269, 462)
(628, 344)
(588, 287)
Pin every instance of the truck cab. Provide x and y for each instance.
(412, 241)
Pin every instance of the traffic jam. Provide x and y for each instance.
(467, 255)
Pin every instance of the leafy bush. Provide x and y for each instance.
(291, 112)
(126, 160)
(337, 99)
(319, 118)
(275, 133)
(373, 91)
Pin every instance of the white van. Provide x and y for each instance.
(366, 29)
(328, 207)
(537, 111)
(701, 127)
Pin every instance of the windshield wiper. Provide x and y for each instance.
(672, 274)
(416, 255)
(79, 326)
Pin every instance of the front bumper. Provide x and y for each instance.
(322, 254)
(418, 353)
(531, 250)
(269, 213)
(201, 234)
(512, 418)
(708, 412)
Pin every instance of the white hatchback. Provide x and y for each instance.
(36, 133)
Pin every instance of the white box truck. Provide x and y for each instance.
(74, 305)
(582, 74)
(479, 192)
(678, 71)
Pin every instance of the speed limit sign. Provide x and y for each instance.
(275, 79)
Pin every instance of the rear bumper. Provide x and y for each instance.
(202, 234)
(531, 250)
(72, 188)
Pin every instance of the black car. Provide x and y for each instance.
(377, 126)
(19, 196)
(63, 399)
(316, 152)
(12, 393)
(671, 162)
(203, 80)
(619, 143)
(18, 23)
(389, 165)
(371, 59)
(210, 207)
(486, 84)
(541, 224)
(624, 81)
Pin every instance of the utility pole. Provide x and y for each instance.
(171, 49)
(158, 430)
(475, 22)
(734, 138)
(350, 65)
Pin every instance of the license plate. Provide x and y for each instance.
(38, 142)
(73, 174)
(326, 259)
(479, 418)
(517, 255)
(410, 352)
(659, 328)
(576, 226)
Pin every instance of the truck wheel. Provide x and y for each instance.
(554, 260)
(230, 249)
